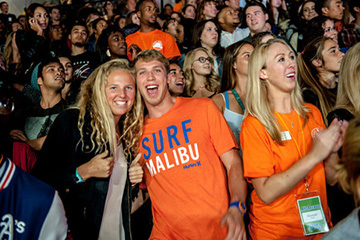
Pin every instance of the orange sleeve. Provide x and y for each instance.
(255, 144)
(171, 49)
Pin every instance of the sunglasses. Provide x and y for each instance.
(204, 59)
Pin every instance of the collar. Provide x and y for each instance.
(6, 173)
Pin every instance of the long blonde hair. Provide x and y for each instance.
(92, 100)
(212, 84)
(348, 167)
(349, 82)
(257, 103)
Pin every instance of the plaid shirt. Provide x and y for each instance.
(350, 34)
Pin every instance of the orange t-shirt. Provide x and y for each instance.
(184, 174)
(177, 7)
(263, 157)
(158, 40)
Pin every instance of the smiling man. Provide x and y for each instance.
(148, 37)
(193, 170)
(176, 80)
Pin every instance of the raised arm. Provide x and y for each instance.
(325, 143)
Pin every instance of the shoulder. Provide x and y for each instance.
(34, 188)
(197, 104)
(346, 229)
(219, 101)
(133, 35)
(313, 109)
(251, 121)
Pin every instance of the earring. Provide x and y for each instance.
(108, 53)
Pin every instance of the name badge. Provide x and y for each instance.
(311, 214)
(285, 136)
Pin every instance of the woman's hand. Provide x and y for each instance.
(328, 141)
(34, 25)
(99, 166)
(135, 171)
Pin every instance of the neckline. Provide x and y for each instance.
(177, 102)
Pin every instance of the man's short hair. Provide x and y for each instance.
(1, 3)
(319, 4)
(54, 7)
(138, 4)
(79, 23)
(252, 4)
(150, 55)
(45, 61)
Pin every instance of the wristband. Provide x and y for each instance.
(78, 177)
(240, 206)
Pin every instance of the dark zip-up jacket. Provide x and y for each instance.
(84, 202)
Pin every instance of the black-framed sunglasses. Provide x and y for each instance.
(204, 59)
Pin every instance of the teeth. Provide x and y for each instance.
(180, 83)
(122, 103)
(151, 87)
(290, 75)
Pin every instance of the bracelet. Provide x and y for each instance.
(78, 177)
(240, 206)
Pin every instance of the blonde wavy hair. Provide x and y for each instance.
(348, 167)
(349, 82)
(212, 84)
(257, 103)
(92, 100)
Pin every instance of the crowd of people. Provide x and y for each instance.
(185, 119)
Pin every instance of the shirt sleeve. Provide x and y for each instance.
(255, 144)
(171, 48)
(55, 224)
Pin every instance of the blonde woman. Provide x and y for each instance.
(348, 174)
(86, 144)
(347, 107)
(284, 146)
(201, 78)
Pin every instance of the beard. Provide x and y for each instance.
(80, 44)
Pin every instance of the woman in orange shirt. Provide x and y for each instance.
(284, 147)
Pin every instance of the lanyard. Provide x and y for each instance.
(296, 143)
(302, 133)
(238, 99)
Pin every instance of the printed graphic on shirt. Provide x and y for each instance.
(182, 152)
(8, 225)
(157, 45)
(82, 69)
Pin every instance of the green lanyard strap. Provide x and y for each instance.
(238, 99)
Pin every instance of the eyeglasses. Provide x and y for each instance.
(203, 59)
